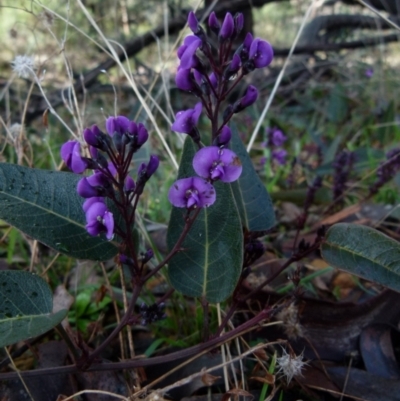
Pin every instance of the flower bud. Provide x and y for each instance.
(239, 22)
(224, 136)
(227, 28)
(193, 23)
(213, 23)
(247, 100)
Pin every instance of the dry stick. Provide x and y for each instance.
(201, 373)
(16, 369)
(116, 310)
(144, 362)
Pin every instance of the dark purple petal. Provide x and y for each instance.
(184, 80)
(70, 153)
(142, 135)
(189, 58)
(108, 221)
(112, 169)
(261, 53)
(233, 68)
(198, 76)
(181, 50)
(91, 138)
(86, 190)
(132, 128)
(227, 28)
(213, 80)
(93, 152)
(89, 202)
(98, 179)
(186, 120)
(192, 192)
(214, 163)
(235, 63)
(129, 185)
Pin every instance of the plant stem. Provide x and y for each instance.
(143, 362)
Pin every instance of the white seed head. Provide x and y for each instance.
(23, 66)
(290, 366)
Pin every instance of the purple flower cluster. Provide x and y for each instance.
(211, 69)
(274, 141)
(110, 158)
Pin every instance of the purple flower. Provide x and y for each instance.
(227, 28)
(99, 219)
(192, 192)
(93, 137)
(187, 52)
(247, 100)
(89, 202)
(261, 53)
(70, 153)
(214, 163)
(280, 156)
(119, 124)
(244, 50)
(369, 72)
(95, 185)
(275, 137)
(186, 120)
(184, 80)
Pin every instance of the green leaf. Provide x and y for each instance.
(252, 199)
(45, 205)
(211, 261)
(26, 304)
(338, 106)
(365, 252)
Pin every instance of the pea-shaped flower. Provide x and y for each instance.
(261, 53)
(215, 163)
(70, 153)
(192, 192)
(98, 218)
(186, 120)
(119, 124)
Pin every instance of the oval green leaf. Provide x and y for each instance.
(252, 199)
(26, 304)
(364, 252)
(211, 261)
(44, 204)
